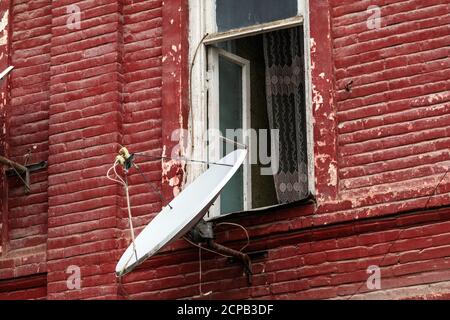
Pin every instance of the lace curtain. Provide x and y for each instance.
(285, 87)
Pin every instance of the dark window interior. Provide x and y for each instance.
(231, 14)
(252, 49)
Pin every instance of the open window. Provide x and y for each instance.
(229, 114)
(257, 96)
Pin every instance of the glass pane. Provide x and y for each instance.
(231, 14)
(230, 117)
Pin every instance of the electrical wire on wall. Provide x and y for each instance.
(191, 68)
(121, 160)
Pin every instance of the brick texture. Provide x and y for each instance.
(25, 216)
(142, 105)
(380, 103)
(86, 123)
(393, 124)
(28, 121)
(31, 288)
(323, 262)
(4, 52)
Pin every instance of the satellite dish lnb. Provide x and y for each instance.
(187, 210)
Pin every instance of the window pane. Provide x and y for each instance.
(231, 14)
(230, 115)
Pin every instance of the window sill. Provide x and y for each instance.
(310, 199)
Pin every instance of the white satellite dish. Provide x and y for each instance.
(5, 72)
(183, 212)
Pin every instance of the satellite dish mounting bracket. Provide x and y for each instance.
(244, 258)
(22, 171)
(204, 232)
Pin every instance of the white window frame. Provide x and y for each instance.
(214, 121)
(215, 36)
(202, 33)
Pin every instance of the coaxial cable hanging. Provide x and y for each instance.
(121, 159)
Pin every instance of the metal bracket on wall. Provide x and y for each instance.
(23, 172)
(203, 232)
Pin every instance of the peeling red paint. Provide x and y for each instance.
(174, 83)
(4, 101)
(325, 151)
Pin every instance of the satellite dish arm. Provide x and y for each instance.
(244, 258)
(203, 232)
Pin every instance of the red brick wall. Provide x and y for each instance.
(394, 123)
(142, 104)
(316, 263)
(86, 126)
(31, 287)
(28, 96)
(380, 170)
(4, 52)
(380, 150)
(28, 116)
(388, 131)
